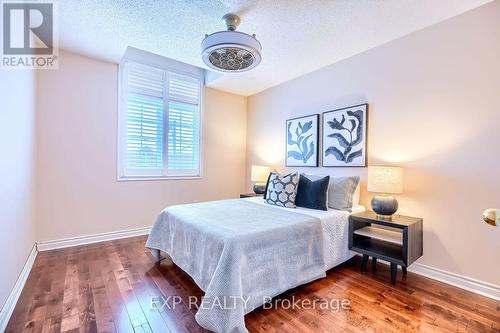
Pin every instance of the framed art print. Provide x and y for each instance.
(345, 137)
(302, 141)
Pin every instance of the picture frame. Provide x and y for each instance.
(301, 141)
(345, 137)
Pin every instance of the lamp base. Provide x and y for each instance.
(259, 189)
(384, 205)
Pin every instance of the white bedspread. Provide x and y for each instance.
(241, 251)
(335, 225)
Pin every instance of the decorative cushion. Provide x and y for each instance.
(341, 192)
(267, 183)
(282, 189)
(312, 193)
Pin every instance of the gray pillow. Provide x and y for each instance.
(282, 189)
(341, 192)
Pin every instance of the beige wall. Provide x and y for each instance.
(434, 109)
(76, 133)
(17, 155)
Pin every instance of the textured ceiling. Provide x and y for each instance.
(298, 36)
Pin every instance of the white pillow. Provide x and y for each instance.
(341, 192)
(356, 196)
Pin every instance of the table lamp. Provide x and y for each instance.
(385, 180)
(259, 176)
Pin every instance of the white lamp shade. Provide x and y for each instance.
(385, 179)
(260, 173)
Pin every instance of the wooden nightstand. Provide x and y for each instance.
(249, 195)
(398, 241)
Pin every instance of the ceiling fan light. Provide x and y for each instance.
(231, 51)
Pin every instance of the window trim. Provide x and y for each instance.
(171, 67)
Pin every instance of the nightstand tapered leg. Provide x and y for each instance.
(404, 269)
(364, 261)
(374, 263)
(394, 271)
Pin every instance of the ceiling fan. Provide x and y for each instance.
(231, 51)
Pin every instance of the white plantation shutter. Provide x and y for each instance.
(160, 123)
(144, 133)
(184, 89)
(144, 121)
(146, 80)
(183, 124)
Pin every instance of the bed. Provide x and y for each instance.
(243, 252)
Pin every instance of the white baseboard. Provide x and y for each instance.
(90, 239)
(10, 303)
(464, 282)
(476, 286)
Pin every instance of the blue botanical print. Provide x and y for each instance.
(349, 133)
(305, 149)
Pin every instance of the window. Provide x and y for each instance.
(159, 120)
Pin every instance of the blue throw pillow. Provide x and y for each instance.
(312, 193)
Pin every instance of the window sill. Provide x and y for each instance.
(153, 178)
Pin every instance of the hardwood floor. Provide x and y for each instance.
(108, 287)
